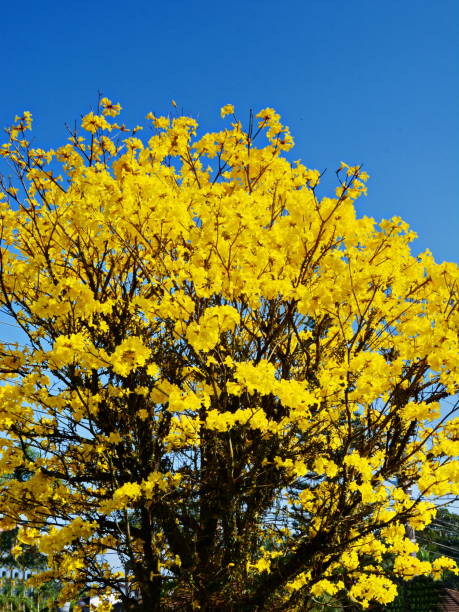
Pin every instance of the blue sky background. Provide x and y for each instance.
(362, 81)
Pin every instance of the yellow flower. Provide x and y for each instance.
(228, 109)
(109, 109)
(129, 355)
(91, 123)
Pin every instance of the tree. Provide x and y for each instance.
(18, 561)
(423, 593)
(11, 556)
(441, 538)
(27, 559)
(231, 383)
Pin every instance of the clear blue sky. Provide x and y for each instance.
(360, 81)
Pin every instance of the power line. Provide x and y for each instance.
(456, 550)
(446, 528)
(446, 523)
(10, 324)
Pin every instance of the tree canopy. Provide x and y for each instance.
(229, 382)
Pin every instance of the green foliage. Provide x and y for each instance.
(442, 538)
(30, 559)
(16, 596)
(422, 594)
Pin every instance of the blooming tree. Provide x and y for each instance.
(229, 382)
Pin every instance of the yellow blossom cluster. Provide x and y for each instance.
(217, 372)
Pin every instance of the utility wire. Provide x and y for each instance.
(446, 524)
(456, 550)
